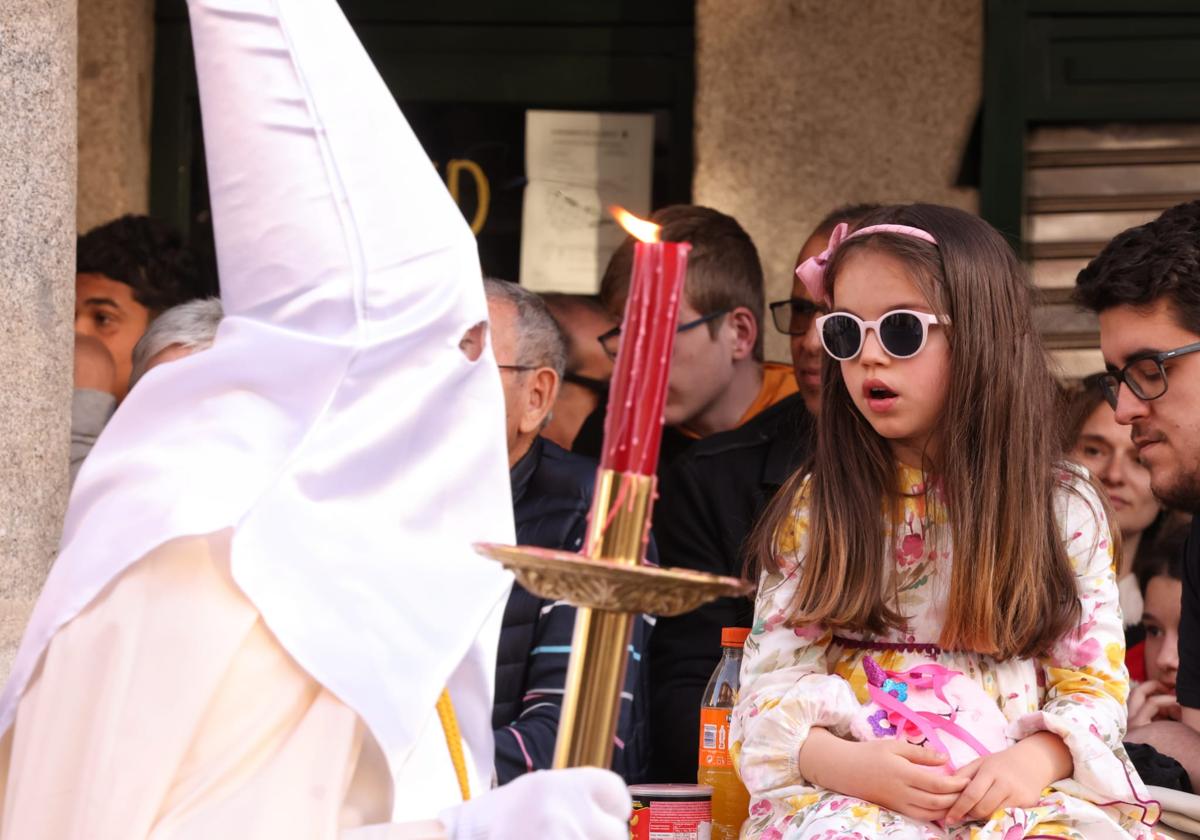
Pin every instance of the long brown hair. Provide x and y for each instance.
(1012, 591)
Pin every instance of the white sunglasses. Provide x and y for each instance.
(902, 333)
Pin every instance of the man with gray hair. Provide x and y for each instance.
(178, 332)
(532, 353)
(552, 494)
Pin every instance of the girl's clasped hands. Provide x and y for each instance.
(913, 780)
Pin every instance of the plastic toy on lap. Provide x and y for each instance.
(933, 706)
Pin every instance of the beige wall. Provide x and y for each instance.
(803, 105)
(116, 60)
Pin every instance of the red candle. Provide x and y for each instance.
(638, 392)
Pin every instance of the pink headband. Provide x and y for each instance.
(812, 271)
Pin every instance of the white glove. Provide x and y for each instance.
(584, 803)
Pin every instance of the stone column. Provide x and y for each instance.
(37, 256)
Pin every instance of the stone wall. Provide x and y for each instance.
(803, 105)
(116, 66)
(37, 256)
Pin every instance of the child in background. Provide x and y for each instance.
(938, 542)
(1160, 573)
(1165, 751)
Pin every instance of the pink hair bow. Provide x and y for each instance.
(812, 271)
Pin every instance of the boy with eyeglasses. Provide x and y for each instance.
(718, 379)
(1145, 286)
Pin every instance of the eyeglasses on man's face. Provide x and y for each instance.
(1145, 375)
(795, 316)
(611, 340)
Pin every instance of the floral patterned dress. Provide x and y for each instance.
(794, 678)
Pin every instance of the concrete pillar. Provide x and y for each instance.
(804, 105)
(37, 256)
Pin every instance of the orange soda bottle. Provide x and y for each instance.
(730, 801)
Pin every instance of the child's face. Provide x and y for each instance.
(869, 285)
(1161, 618)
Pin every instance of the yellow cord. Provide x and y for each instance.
(445, 710)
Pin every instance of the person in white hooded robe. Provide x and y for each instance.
(266, 619)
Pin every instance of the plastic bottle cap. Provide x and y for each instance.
(734, 636)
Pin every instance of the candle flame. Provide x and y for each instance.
(641, 229)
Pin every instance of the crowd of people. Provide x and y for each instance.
(746, 476)
(977, 613)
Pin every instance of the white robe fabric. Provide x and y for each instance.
(334, 425)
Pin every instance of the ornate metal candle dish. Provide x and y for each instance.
(610, 585)
(604, 585)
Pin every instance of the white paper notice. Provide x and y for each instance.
(578, 163)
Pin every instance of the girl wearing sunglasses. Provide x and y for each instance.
(938, 539)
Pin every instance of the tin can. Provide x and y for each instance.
(671, 812)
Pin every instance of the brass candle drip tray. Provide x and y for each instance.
(607, 585)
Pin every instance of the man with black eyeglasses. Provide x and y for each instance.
(1145, 286)
(794, 316)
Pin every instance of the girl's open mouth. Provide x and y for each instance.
(879, 396)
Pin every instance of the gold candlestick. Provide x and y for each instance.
(610, 585)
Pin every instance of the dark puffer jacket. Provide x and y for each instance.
(552, 493)
(711, 498)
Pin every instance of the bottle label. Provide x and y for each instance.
(714, 737)
(639, 822)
